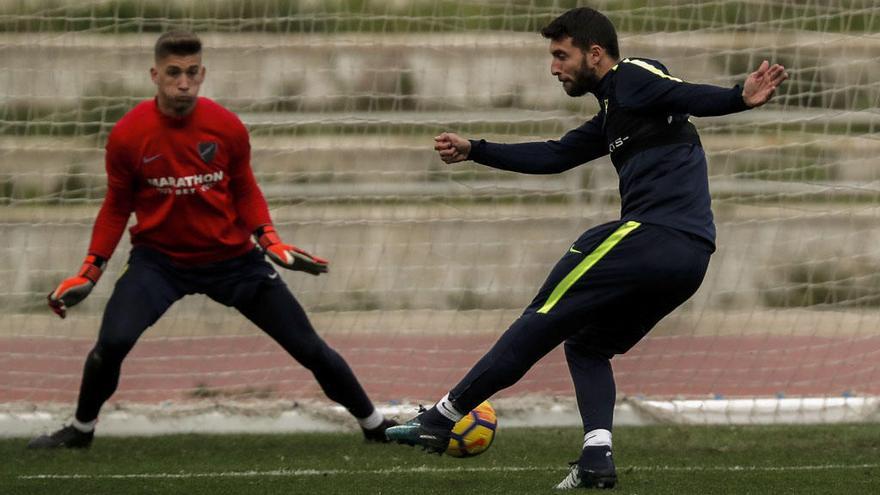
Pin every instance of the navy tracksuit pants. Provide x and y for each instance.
(611, 287)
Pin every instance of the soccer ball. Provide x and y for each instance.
(473, 434)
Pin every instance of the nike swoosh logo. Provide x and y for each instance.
(573, 250)
(273, 275)
(148, 159)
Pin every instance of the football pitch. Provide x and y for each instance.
(654, 460)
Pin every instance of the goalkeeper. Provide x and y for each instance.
(182, 164)
(618, 279)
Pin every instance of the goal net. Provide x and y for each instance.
(429, 262)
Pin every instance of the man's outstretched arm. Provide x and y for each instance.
(643, 86)
(549, 157)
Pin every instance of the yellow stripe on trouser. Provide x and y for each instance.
(588, 262)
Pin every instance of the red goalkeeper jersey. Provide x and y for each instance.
(188, 181)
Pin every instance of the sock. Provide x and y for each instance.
(372, 421)
(597, 437)
(449, 411)
(85, 427)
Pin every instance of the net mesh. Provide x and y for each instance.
(430, 263)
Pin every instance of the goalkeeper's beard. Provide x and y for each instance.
(584, 81)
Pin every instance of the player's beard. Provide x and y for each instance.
(584, 81)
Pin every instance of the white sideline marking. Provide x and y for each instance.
(293, 473)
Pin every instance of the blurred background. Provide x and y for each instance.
(430, 262)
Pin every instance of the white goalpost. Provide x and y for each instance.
(429, 262)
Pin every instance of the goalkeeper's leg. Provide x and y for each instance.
(141, 295)
(274, 309)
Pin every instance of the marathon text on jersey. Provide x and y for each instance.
(185, 185)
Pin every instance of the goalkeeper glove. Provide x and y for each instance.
(286, 255)
(74, 289)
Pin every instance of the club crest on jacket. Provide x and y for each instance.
(207, 150)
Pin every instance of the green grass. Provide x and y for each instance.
(655, 460)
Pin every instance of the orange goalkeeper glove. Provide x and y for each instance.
(74, 289)
(286, 255)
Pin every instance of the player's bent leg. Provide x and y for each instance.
(274, 310)
(141, 295)
(529, 339)
(99, 381)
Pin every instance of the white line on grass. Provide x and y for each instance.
(293, 473)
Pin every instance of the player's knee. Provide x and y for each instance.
(94, 358)
(111, 350)
(96, 361)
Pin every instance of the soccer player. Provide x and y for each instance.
(181, 163)
(617, 280)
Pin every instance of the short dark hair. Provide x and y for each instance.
(177, 43)
(586, 27)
